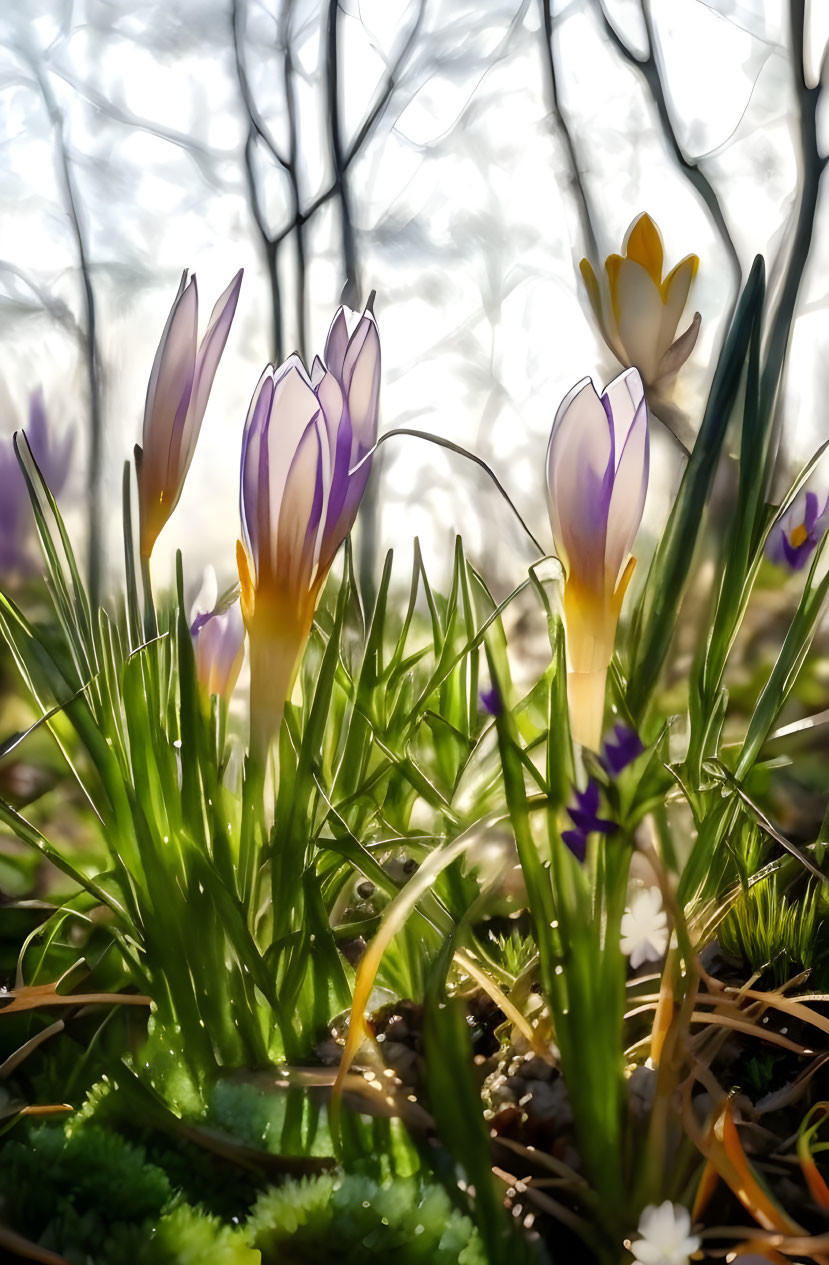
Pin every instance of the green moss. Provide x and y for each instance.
(351, 1219)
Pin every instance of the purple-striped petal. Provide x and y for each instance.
(254, 452)
(580, 480)
(336, 344)
(810, 511)
(294, 550)
(207, 362)
(171, 381)
(361, 382)
(219, 644)
(627, 500)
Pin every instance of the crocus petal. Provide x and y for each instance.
(643, 243)
(592, 287)
(675, 290)
(219, 644)
(621, 399)
(627, 500)
(361, 379)
(639, 313)
(295, 514)
(810, 511)
(37, 431)
(623, 750)
(579, 476)
(336, 344)
(329, 393)
(152, 385)
(576, 842)
(253, 452)
(207, 362)
(294, 407)
(679, 351)
(171, 381)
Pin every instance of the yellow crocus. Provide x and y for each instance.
(638, 310)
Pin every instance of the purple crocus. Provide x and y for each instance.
(622, 749)
(597, 477)
(491, 701)
(586, 819)
(177, 395)
(53, 457)
(798, 531)
(305, 464)
(219, 643)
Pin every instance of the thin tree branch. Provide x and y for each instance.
(367, 127)
(258, 132)
(56, 308)
(648, 68)
(812, 164)
(289, 77)
(238, 13)
(351, 290)
(387, 87)
(579, 190)
(270, 247)
(203, 156)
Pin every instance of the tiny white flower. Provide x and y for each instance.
(644, 928)
(665, 1236)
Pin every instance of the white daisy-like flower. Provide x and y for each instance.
(644, 927)
(666, 1237)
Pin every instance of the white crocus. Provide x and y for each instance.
(644, 928)
(665, 1236)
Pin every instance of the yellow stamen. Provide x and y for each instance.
(246, 581)
(798, 536)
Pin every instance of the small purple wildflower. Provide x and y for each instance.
(586, 820)
(622, 750)
(797, 532)
(491, 701)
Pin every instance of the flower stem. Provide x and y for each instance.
(585, 695)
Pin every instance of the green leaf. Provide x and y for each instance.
(656, 615)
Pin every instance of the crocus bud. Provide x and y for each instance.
(305, 465)
(597, 477)
(219, 643)
(177, 394)
(798, 531)
(638, 311)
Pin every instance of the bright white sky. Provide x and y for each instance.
(466, 229)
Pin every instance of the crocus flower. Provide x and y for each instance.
(305, 464)
(597, 477)
(53, 457)
(622, 749)
(491, 701)
(586, 819)
(798, 531)
(665, 1237)
(638, 310)
(644, 928)
(218, 640)
(177, 395)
